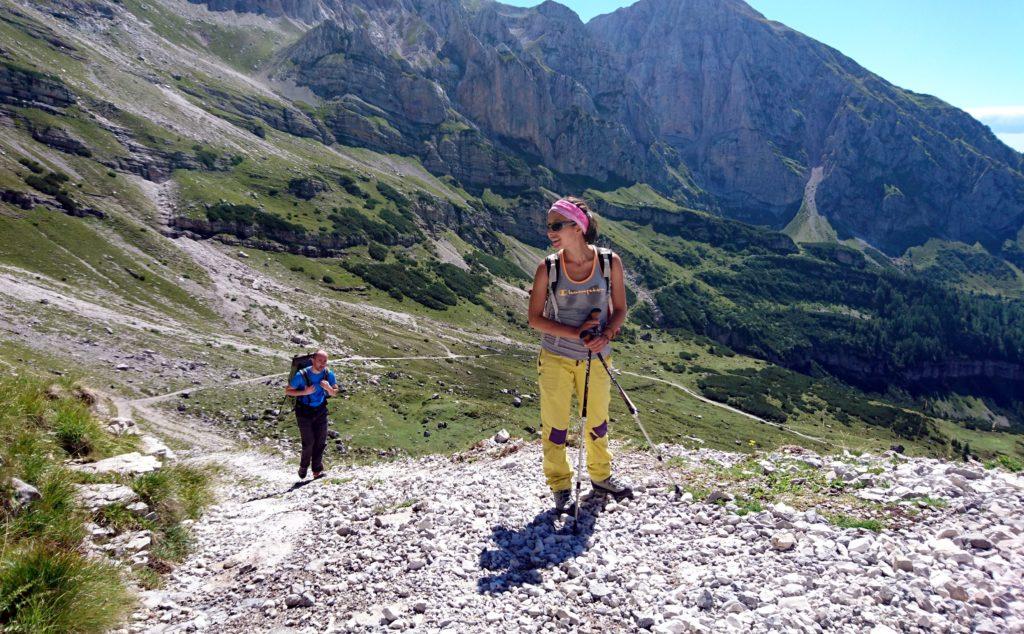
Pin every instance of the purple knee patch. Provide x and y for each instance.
(557, 436)
(599, 431)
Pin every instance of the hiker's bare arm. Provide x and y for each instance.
(306, 391)
(618, 307)
(331, 390)
(536, 316)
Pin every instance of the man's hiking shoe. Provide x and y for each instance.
(319, 474)
(613, 486)
(302, 473)
(562, 500)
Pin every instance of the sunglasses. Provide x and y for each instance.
(557, 226)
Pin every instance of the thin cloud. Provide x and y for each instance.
(1002, 119)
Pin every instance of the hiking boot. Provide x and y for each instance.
(614, 486)
(319, 474)
(302, 473)
(562, 499)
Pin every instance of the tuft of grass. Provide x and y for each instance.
(176, 492)
(927, 500)
(77, 431)
(54, 520)
(748, 506)
(847, 521)
(46, 589)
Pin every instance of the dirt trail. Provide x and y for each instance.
(729, 408)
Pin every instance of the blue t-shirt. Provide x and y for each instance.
(319, 395)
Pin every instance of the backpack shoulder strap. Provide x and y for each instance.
(604, 255)
(551, 262)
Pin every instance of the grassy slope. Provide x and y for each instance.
(55, 247)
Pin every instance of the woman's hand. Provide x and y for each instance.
(612, 331)
(596, 344)
(590, 324)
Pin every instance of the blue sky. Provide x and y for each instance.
(967, 53)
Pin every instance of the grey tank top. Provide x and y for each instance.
(575, 300)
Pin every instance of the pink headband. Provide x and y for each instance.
(567, 209)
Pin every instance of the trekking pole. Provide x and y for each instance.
(580, 440)
(636, 417)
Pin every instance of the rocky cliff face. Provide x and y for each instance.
(660, 92)
(478, 92)
(752, 106)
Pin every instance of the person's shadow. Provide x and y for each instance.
(521, 554)
(273, 494)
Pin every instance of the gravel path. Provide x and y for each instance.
(466, 543)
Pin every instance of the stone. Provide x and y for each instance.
(783, 541)
(859, 545)
(598, 590)
(24, 493)
(502, 436)
(717, 495)
(963, 472)
(152, 446)
(129, 464)
(304, 600)
(392, 612)
(902, 563)
(706, 600)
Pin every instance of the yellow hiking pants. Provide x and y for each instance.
(559, 377)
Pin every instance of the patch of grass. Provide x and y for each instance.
(43, 589)
(847, 521)
(748, 506)
(927, 500)
(46, 584)
(176, 493)
(1011, 464)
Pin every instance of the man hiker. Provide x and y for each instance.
(312, 386)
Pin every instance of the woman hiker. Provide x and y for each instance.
(569, 288)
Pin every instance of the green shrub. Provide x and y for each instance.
(463, 283)
(33, 165)
(408, 281)
(499, 267)
(378, 251)
(244, 216)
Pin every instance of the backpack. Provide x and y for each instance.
(301, 365)
(604, 260)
